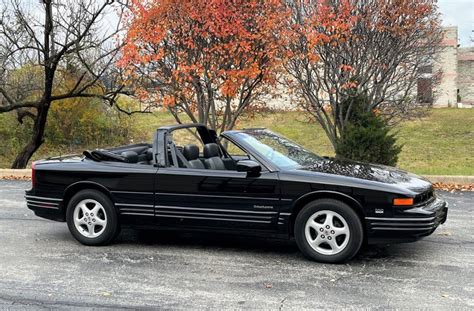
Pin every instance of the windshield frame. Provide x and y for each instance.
(235, 136)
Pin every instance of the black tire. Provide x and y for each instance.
(111, 228)
(354, 224)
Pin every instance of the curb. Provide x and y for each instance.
(7, 173)
(451, 179)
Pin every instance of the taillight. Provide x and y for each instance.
(33, 175)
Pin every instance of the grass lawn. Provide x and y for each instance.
(440, 144)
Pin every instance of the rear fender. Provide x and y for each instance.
(74, 188)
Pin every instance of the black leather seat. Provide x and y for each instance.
(131, 156)
(149, 154)
(191, 153)
(213, 159)
(146, 157)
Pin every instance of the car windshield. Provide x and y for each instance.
(279, 150)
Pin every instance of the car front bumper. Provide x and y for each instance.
(409, 224)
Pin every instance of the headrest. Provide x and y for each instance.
(131, 156)
(211, 150)
(149, 154)
(191, 152)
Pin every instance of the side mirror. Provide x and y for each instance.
(250, 166)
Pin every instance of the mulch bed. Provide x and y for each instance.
(453, 187)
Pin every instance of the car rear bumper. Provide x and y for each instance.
(45, 207)
(408, 225)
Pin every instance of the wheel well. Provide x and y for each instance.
(300, 203)
(75, 188)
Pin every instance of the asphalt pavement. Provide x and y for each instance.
(43, 267)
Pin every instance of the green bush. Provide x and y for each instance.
(73, 126)
(366, 137)
(86, 123)
(13, 136)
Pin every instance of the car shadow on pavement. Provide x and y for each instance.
(209, 240)
(247, 244)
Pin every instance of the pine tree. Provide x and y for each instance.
(366, 137)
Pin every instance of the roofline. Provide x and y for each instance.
(246, 129)
(180, 126)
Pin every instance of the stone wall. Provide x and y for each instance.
(445, 94)
(466, 75)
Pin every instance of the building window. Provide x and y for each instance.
(426, 69)
(425, 90)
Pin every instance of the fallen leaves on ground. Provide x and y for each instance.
(11, 177)
(267, 285)
(453, 187)
(106, 294)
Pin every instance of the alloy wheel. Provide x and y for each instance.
(327, 232)
(90, 218)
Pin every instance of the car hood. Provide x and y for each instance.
(371, 172)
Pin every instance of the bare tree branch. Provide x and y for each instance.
(379, 54)
(55, 51)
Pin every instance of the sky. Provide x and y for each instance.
(454, 13)
(459, 13)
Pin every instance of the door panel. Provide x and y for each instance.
(216, 199)
(133, 191)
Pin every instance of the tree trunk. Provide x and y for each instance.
(36, 140)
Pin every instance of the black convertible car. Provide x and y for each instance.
(249, 181)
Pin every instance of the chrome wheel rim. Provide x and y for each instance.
(327, 232)
(90, 218)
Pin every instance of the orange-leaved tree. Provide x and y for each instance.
(207, 60)
(341, 50)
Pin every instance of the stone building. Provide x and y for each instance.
(456, 88)
(465, 80)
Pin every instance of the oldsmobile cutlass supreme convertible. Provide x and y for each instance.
(249, 181)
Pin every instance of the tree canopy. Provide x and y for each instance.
(211, 60)
(347, 48)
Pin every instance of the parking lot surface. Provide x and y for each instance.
(43, 267)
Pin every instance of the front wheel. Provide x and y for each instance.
(328, 230)
(91, 218)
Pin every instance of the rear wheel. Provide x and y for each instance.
(328, 230)
(91, 218)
